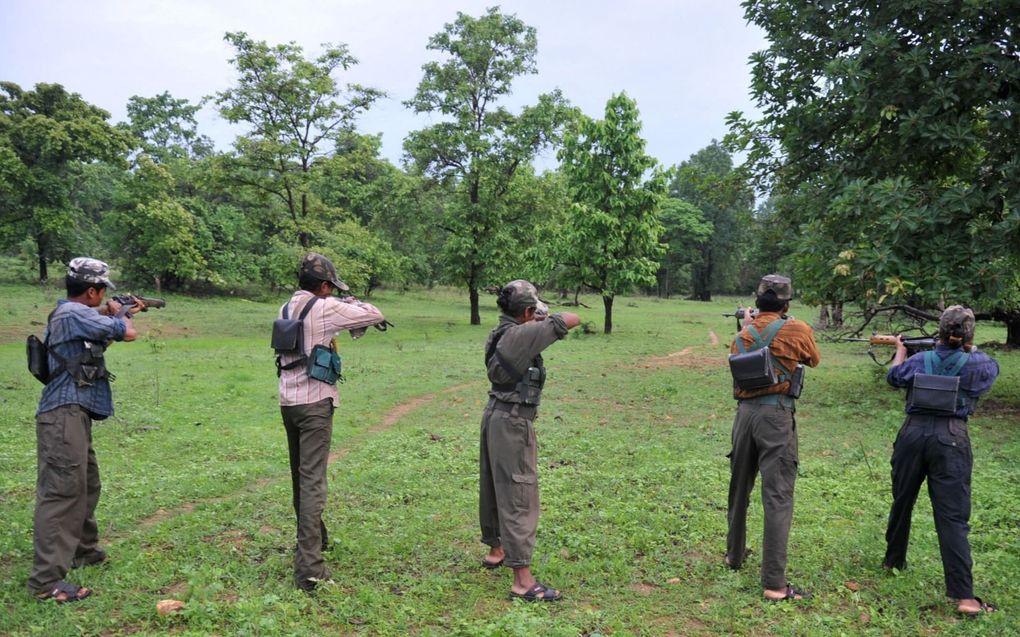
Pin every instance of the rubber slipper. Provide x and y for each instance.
(983, 607)
(491, 565)
(792, 593)
(538, 593)
(64, 593)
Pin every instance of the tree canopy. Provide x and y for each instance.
(45, 134)
(890, 142)
(611, 238)
(479, 148)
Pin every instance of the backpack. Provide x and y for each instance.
(937, 390)
(758, 368)
(289, 336)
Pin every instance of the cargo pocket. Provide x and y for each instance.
(524, 485)
(61, 470)
(954, 435)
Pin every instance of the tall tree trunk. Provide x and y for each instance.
(158, 282)
(476, 317)
(40, 243)
(607, 302)
(1013, 331)
(823, 317)
(837, 314)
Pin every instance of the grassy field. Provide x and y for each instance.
(633, 434)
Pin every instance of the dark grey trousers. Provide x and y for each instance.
(764, 439)
(936, 448)
(66, 494)
(508, 488)
(309, 433)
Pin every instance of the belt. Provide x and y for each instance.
(772, 399)
(522, 410)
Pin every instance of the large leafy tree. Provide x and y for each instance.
(610, 242)
(46, 135)
(156, 236)
(479, 146)
(296, 110)
(166, 128)
(685, 232)
(709, 182)
(890, 142)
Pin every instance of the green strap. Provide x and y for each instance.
(949, 366)
(764, 339)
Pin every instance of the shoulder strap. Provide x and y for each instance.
(493, 352)
(951, 365)
(763, 339)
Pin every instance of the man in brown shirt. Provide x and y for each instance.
(764, 437)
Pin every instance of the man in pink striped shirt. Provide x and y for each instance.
(307, 404)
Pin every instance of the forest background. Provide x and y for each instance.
(879, 169)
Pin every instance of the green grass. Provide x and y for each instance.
(196, 500)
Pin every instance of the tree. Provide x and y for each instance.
(480, 148)
(296, 111)
(45, 135)
(611, 239)
(685, 231)
(155, 236)
(166, 128)
(890, 143)
(708, 181)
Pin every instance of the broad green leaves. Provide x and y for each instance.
(611, 239)
(890, 133)
(295, 110)
(477, 151)
(45, 134)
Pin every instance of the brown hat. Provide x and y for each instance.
(518, 295)
(780, 285)
(319, 267)
(958, 321)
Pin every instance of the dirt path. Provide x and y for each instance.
(389, 419)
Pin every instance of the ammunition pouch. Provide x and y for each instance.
(86, 368)
(937, 391)
(753, 370)
(796, 382)
(38, 359)
(324, 364)
(529, 387)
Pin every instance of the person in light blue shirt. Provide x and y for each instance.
(933, 444)
(65, 533)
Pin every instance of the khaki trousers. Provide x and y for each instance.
(508, 488)
(309, 433)
(764, 439)
(66, 494)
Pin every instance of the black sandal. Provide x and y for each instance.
(538, 593)
(792, 593)
(64, 593)
(983, 607)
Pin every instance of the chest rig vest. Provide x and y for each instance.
(528, 385)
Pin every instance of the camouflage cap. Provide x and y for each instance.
(319, 267)
(89, 270)
(517, 296)
(957, 320)
(780, 285)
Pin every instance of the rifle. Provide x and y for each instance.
(739, 315)
(914, 344)
(127, 300)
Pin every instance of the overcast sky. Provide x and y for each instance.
(684, 61)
